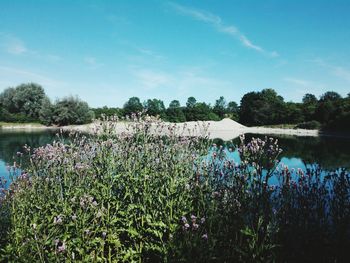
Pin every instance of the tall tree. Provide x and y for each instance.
(155, 107)
(233, 110)
(174, 104)
(191, 102)
(133, 105)
(220, 107)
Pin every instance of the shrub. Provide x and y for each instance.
(142, 196)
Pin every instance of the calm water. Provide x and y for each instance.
(298, 152)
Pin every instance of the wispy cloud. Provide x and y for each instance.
(299, 82)
(338, 71)
(13, 45)
(180, 82)
(92, 62)
(13, 76)
(221, 27)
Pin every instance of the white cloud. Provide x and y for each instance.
(219, 25)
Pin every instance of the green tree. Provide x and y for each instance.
(191, 102)
(262, 108)
(46, 112)
(220, 107)
(133, 105)
(174, 104)
(155, 107)
(71, 110)
(233, 110)
(309, 106)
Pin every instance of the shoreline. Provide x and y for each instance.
(225, 129)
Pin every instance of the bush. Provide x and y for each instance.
(309, 125)
(140, 196)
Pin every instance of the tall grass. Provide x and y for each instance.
(143, 197)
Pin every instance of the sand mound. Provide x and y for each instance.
(225, 125)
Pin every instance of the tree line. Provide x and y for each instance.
(331, 111)
(29, 103)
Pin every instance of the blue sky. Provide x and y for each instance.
(108, 51)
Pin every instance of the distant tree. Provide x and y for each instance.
(309, 106)
(262, 108)
(220, 107)
(6, 100)
(330, 96)
(28, 99)
(71, 110)
(233, 110)
(309, 99)
(107, 112)
(191, 102)
(175, 114)
(155, 107)
(46, 112)
(293, 113)
(174, 104)
(328, 107)
(22, 103)
(133, 105)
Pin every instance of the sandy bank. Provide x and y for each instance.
(25, 127)
(225, 129)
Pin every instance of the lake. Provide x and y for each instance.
(298, 152)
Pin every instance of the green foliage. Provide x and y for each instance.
(155, 107)
(309, 125)
(261, 108)
(220, 107)
(108, 112)
(71, 110)
(29, 103)
(22, 104)
(133, 105)
(148, 198)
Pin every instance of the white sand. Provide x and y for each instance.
(225, 129)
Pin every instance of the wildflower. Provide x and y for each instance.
(58, 220)
(61, 248)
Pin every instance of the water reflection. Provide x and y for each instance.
(298, 152)
(12, 142)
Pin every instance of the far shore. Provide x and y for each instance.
(225, 129)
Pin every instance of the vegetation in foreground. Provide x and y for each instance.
(139, 197)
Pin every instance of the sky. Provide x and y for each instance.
(108, 51)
